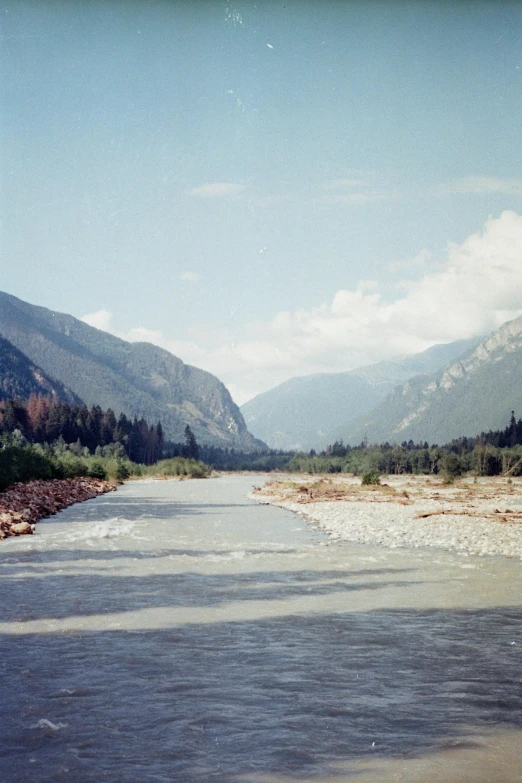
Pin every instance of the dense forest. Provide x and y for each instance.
(491, 453)
(45, 439)
(42, 420)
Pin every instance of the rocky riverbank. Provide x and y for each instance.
(22, 505)
(482, 517)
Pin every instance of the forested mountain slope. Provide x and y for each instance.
(471, 395)
(19, 377)
(302, 413)
(138, 379)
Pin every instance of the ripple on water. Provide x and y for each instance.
(342, 672)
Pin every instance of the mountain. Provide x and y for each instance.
(474, 394)
(19, 378)
(302, 413)
(138, 379)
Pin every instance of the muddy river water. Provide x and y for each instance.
(177, 631)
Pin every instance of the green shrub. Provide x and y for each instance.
(22, 463)
(97, 470)
(122, 471)
(452, 468)
(371, 477)
(69, 466)
(198, 470)
(176, 466)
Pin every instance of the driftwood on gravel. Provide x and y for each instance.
(474, 516)
(505, 516)
(22, 505)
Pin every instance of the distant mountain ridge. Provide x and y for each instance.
(476, 393)
(138, 379)
(308, 412)
(20, 377)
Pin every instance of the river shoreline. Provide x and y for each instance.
(23, 504)
(474, 517)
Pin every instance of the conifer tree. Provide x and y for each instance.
(160, 438)
(191, 449)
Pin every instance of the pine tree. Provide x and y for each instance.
(53, 425)
(144, 442)
(512, 430)
(133, 443)
(9, 417)
(191, 449)
(122, 431)
(108, 427)
(160, 441)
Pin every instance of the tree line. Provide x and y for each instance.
(83, 432)
(43, 420)
(230, 459)
(492, 453)
(34, 435)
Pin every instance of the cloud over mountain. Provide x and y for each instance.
(473, 290)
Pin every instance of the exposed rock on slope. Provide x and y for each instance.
(471, 395)
(19, 377)
(309, 412)
(138, 379)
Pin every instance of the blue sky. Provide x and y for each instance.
(267, 189)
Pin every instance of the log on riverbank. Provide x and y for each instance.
(409, 511)
(22, 505)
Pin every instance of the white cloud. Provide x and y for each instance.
(217, 190)
(474, 289)
(418, 262)
(356, 192)
(482, 185)
(191, 277)
(101, 319)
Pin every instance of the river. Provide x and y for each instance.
(177, 631)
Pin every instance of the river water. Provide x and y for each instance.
(177, 631)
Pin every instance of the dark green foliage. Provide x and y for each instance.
(232, 459)
(22, 463)
(452, 467)
(41, 420)
(191, 449)
(371, 477)
(122, 471)
(489, 454)
(97, 470)
(180, 466)
(45, 439)
(67, 465)
(14, 416)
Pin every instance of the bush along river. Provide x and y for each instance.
(177, 631)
